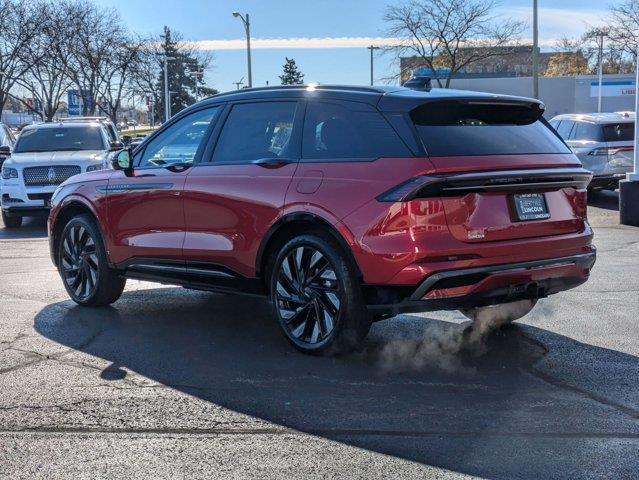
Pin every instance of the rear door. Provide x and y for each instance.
(495, 138)
(619, 138)
(145, 206)
(235, 193)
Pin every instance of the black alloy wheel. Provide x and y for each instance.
(83, 264)
(317, 297)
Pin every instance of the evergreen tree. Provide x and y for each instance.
(182, 82)
(291, 75)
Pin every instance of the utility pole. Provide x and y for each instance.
(600, 34)
(535, 52)
(247, 28)
(372, 48)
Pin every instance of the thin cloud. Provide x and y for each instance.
(296, 42)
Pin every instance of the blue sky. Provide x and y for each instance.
(310, 31)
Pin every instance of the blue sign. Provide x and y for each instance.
(77, 101)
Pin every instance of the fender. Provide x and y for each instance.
(339, 231)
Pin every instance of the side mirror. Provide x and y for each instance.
(123, 160)
(5, 151)
(115, 146)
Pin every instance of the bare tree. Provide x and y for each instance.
(46, 58)
(623, 26)
(19, 25)
(116, 75)
(96, 32)
(450, 34)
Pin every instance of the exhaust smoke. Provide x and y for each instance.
(446, 346)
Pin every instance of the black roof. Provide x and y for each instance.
(387, 98)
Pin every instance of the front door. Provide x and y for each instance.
(237, 190)
(145, 206)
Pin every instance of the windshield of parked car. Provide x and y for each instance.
(619, 132)
(60, 139)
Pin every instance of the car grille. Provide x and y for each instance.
(54, 175)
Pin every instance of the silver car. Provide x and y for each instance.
(604, 142)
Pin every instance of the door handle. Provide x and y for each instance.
(273, 162)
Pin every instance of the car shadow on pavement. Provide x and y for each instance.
(604, 199)
(31, 228)
(407, 394)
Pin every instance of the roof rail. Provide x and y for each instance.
(347, 88)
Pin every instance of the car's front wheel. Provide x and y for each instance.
(316, 296)
(83, 264)
(11, 222)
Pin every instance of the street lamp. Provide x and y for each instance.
(629, 188)
(167, 97)
(601, 33)
(535, 52)
(372, 48)
(247, 27)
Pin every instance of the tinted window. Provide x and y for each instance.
(586, 131)
(334, 131)
(456, 128)
(620, 132)
(61, 139)
(564, 128)
(256, 130)
(179, 142)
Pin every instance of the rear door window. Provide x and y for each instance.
(620, 132)
(586, 131)
(450, 128)
(255, 131)
(348, 130)
(565, 128)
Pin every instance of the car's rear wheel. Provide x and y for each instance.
(11, 222)
(83, 265)
(316, 296)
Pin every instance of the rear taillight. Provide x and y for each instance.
(429, 186)
(609, 150)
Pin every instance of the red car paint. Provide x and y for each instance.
(221, 214)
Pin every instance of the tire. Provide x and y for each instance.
(83, 265)
(316, 296)
(11, 222)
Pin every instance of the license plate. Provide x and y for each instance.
(531, 206)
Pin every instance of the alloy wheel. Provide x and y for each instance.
(79, 262)
(308, 295)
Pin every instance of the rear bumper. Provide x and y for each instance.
(486, 285)
(606, 181)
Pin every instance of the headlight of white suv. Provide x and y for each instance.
(8, 172)
(93, 168)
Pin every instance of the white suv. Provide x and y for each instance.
(604, 142)
(44, 156)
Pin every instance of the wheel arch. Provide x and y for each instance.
(294, 224)
(70, 209)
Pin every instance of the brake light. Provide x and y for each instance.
(404, 191)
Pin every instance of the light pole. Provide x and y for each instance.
(167, 96)
(247, 27)
(535, 52)
(372, 48)
(197, 76)
(629, 188)
(241, 82)
(601, 34)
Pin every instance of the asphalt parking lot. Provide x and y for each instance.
(170, 383)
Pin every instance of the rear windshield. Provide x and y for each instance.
(60, 139)
(457, 128)
(620, 132)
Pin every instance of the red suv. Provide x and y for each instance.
(344, 205)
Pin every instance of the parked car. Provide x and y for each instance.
(7, 140)
(106, 122)
(343, 205)
(604, 142)
(44, 156)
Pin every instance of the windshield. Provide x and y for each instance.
(620, 132)
(60, 139)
